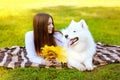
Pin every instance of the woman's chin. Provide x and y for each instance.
(50, 32)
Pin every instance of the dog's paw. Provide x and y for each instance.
(69, 66)
(89, 68)
(82, 68)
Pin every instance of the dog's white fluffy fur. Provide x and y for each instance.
(80, 45)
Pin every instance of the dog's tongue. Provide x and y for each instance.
(70, 42)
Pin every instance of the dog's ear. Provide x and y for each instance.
(72, 21)
(83, 24)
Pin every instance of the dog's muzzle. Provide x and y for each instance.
(72, 41)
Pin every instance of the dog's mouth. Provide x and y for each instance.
(73, 41)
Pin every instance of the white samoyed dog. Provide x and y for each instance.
(80, 45)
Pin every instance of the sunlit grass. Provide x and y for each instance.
(103, 23)
(13, 7)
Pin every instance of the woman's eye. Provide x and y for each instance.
(50, 23)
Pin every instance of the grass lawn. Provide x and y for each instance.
(102, 17)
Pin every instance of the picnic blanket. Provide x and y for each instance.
(16, 56)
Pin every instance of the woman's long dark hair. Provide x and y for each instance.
(41, 35)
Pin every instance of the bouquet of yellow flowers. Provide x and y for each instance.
(54, 52)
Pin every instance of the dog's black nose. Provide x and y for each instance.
(66, 36)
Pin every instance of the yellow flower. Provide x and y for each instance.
(54, 52)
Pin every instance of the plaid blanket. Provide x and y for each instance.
(16, 56)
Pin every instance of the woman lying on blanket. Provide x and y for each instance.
(43, 33)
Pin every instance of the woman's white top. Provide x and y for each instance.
(29, 44)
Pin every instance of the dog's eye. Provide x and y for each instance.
(74, 31)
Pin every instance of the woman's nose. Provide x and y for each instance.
(51, 25)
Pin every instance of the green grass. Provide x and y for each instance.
(102, 17)
(108, 72)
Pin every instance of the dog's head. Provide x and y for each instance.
(76, 32)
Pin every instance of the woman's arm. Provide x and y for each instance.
(29, 44)
(59, 38)
(31, 53)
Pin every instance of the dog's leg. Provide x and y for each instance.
(81, 67)
(69, 66)
(77, 66)
(73, 64)
(88, 64)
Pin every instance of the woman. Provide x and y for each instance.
(43, 34)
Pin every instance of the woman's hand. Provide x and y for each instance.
(46, 62)
(56, 63)
(52, 63)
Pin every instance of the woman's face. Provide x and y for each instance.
(50, 25)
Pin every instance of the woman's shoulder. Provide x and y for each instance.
(29, 37)
(57, 33)
(29, 33)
